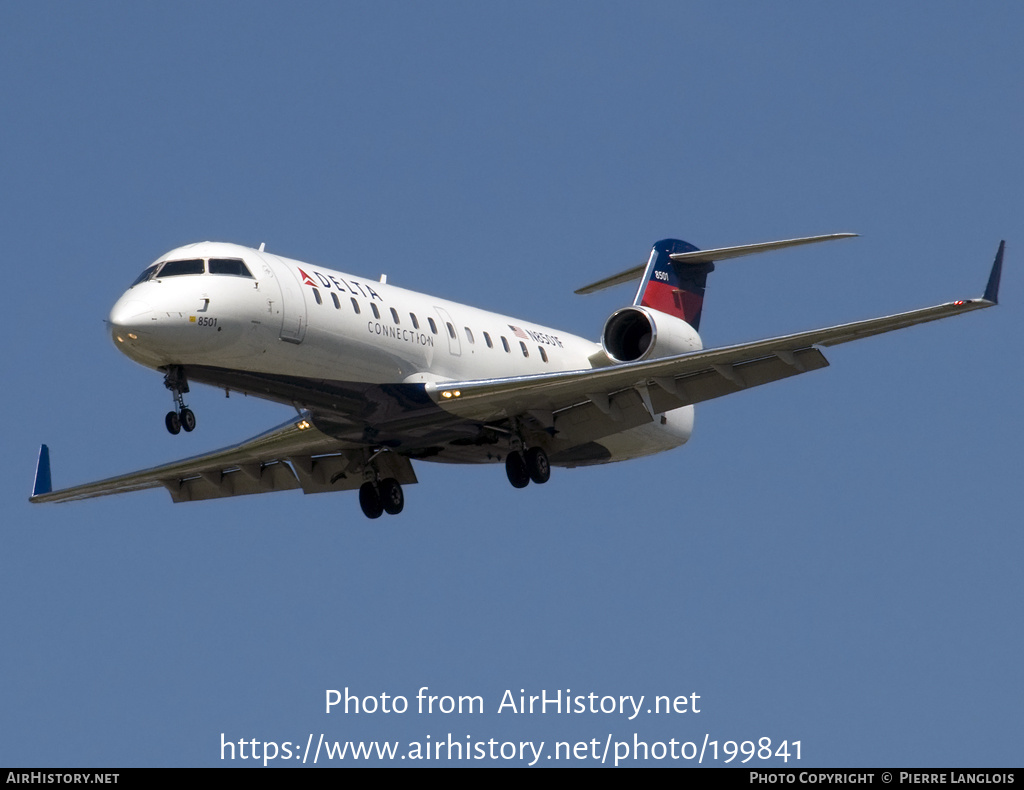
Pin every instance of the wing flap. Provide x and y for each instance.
(601, 416)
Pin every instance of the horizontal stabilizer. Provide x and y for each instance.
(708, 256)
(725, 253)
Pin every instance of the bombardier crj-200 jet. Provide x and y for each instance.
(382, 376)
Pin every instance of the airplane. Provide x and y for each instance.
(381, 376)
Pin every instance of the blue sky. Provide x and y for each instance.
(832, 559)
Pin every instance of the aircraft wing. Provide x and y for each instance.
(292, 455)
(633, 393)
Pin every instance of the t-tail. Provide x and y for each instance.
(672, 287)
(675, 276)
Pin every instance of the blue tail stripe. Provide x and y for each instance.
(42, 484)
(992, 289)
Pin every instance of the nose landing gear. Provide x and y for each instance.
(182, 416)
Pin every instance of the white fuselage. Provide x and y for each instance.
(293, 322)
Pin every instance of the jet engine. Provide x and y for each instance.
(635, 333)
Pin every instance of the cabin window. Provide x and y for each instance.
(176, 268)
(376, 312)
(233, 266)
(415, 323)
(334, 296)
(394, 315)
(451, 329)
(469, 335)
(543, 353)
(487, 340)
(504, 343)
(355, 305)
(522, 345)
(316, 295)
(433, 326)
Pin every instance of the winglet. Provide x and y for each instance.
(42, 484)
(992, 289)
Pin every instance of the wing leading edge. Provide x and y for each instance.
(292, 455)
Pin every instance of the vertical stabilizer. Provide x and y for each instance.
(672, 287)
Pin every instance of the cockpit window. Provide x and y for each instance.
(232, 266)
(146, 275)
(175, 268)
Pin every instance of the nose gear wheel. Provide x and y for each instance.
(182, 416)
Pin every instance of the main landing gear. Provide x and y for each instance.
(182, 416)
(380, 497)
(522, 467)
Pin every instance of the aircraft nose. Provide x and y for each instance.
(129, 322)
(128, 314)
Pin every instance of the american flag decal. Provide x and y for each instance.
(518, 332)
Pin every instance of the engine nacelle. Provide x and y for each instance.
(635, 333)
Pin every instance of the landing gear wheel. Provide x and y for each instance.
(391, 496)
(537, 465)
(173, 422)
(515, 468)
(188, 420)
(369, 500)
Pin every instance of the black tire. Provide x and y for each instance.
(369, 500)
(173, 423)
(391, 496)
(515, 468)
(188, 420)
(537, 465)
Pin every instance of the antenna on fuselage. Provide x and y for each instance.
(263, 245)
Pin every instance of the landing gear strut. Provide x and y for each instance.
(182, 416)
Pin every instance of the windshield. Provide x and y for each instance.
(175, 268)
(232, 266)
(146, 275)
